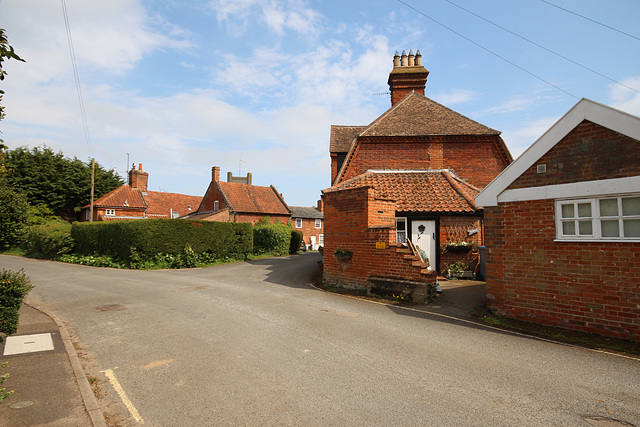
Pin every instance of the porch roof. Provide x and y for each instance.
(431, 190)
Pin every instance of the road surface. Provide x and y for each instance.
(253, 343)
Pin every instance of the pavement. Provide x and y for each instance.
(49, 384)
(52, 389)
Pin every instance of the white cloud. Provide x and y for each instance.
(624, 98)
(519, 139)
(459, 96)
(278, 16)
(110, 36)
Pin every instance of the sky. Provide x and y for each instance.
(255, 85)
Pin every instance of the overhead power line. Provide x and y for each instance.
(592, 20)
(490, 51)
(542, 47)
(77, 79)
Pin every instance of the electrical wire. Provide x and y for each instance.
(542, 47)
(77, 80)
(592, 20)
(490, 51)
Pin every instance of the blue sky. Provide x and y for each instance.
(254, 85)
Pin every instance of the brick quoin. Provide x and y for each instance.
(587, 286)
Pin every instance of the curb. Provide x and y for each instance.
(89, 399)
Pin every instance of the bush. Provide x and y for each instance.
(48, 240)
(271, 238)
(296, 241)
(13, 217)
(14, 286)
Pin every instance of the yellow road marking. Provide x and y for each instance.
(123, 396)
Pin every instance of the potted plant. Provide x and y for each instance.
(343, 255)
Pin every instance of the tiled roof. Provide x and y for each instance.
(121, 197)
(161, 204)
(417, 191)
(304, 212)
(342, 137)
(158, 204)
(253, 198)
(417, 115)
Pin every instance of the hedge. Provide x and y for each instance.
(296, 241)
(153, 236)
(48, 240)
(274, 239)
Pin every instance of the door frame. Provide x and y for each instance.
(422, 217)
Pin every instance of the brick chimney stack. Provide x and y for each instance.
(138, 178)
(215, 173)
(408, 75)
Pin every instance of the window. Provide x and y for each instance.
(401, 230)
(318, 223)
(298, 222)
(175, 215)
(607, 218)
(321, 239)
(215, 205)
(110, 212)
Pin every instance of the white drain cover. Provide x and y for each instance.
(28, 344)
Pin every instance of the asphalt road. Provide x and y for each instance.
(254, 344)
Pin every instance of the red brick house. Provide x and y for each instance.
(240, 201)
(311, 222)
(410, 174)
(562, 226)
(134, 201)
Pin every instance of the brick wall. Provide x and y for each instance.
(255, 217)
(475, 158)
(588, 286)
(356, 221)
(589, 152)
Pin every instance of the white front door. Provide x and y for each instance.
(423, 236)
(313, 243)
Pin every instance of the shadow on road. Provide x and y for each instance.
(296, 271)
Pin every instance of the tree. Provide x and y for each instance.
(51, 179)
(6, 52)
(14, 210)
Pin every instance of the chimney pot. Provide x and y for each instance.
(396, 60)
(411, 63)
(403, 61)
(418, 58)
(140, 166)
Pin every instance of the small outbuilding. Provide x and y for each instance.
(562, 226)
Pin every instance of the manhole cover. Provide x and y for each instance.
(110, 307)
(606, 422)
(23, 404)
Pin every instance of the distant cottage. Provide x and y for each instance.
(134, 201)
(237, 200)
(409, 178)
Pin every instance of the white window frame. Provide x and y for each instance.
(320, 239)
(298, 222)
(595, 219)
(110, 212)
(216, 205)
(401, 232)
(318, 223)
